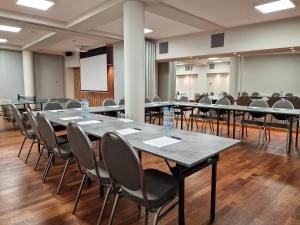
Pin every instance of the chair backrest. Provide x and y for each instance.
(47, 132)
(184, 99)
(33, 124)
(272, 100)
(19, 120)
(243, 100)
(52, 106)
(259, 103)
(147, 100)
(108, 102)
(255, 94)
(122, 101)
(81, 148)
(156, 99)
(289, 95)
(230, 98)
(295, 101)
(211, 93)
(205, 100)
(223, 101)
(282, 104)
(72, 104)
(276, 94)
(244, 93)
(122, 161)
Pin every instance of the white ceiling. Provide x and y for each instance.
(99, 22)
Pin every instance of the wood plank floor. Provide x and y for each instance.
(255, 187)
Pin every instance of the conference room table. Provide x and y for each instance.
(189, 151)
(290, 113)
(24, 102)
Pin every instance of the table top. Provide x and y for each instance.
(193, 148)
(22, 102)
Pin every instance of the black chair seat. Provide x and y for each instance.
(31, 134)
(278, 125)
(199, 116)
(62, 139)
(65, 151)
(160, 187)
(253, 122)
(93, 138)
(103, 173)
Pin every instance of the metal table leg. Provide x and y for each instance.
(234, 123)
(290, 134)
(181, 114)
(228, 122)
(213, 191)
(181, 219)
(297, 132)
(218, 124)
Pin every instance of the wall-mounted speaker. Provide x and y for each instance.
(68, 53)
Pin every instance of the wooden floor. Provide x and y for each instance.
(255, 187)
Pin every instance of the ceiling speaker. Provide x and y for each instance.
(68, 53)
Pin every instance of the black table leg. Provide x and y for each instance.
(213, 191)
(290, 134)
(234, 122)
(181, 115)
(181, 220)
(243, 127)
(218, 124)
(191, 119)
(297, 131)
(228, 122)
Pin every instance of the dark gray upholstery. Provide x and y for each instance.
(289, 95)
(244, 93)
(156, 99)
(72, 104)
(223, 101)
(150, 188)
(52, 106)
(275, 94)
(255, 94)
(230, 98)
(272, 100)
(108, 102)
(147, 100)
(295, 101)
(282, 104)
(243, 100)
(184, 99)
(122, 101)
(33, 125)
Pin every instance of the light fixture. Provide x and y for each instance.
(217, 61)
(3, 40)
(275, 6)
(10, 28)
(147, 30)
(293, 50)
(37, 4)
(234, 53)
(213, 58)
(180, 64)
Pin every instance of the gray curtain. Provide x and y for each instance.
(150, 57)
(172, 81)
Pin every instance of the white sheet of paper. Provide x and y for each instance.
(71, 118)
(161, 142)
(88, 122)
(127, 131)
(56, 110)
(78, 109)
(125, 120)
(114, 106)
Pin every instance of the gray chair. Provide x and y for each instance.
(177, 111)
(244, 93)
(221, 114)
(149, 188)
(73, 104)
(255, 94)
(122, 101)
(62, 151)
(27, 133)
(156, 99)
(108, 102)
(295, 101)
(285, 121)
(147, 100)
(289, 95)
(275, 94)
(272, 100)
(258, 118)
(230, 98)
(86, 162)
(52, 106)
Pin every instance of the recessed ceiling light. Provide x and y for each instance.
(275, 6)
(213, 58)
(293, 50)
(217, 61)
(147, 30)
(3, 40)
(9, 28)
(37, 4)
(234, 53)
(180, 64)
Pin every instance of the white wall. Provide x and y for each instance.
(69, 83)
(118, 49)
(273, 73)
(217, 83)
(72, 61)
(189, 85)
(276, 34)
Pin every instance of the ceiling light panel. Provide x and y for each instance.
(36, 4)
(2, 40)
(9, 28)
(274, 6)
(147, 30)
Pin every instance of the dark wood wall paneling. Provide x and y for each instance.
(96, 98)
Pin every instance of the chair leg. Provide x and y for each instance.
(103, 206)
(47, 167)
(79, 193)
(113, 209)
(29, 151)
(62, 177)
(156, 215)
(22, 146)
(39, 158)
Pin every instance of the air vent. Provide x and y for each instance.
(188, 68)
(217, 40)
(211, 66)
(163, 47)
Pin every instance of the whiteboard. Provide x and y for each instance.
(93, 73)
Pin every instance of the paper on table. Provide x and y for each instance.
(77, 109)
(127, 131)
(71, 118)
(281, 109)
(161, 142)
(56, 110)
(125, 120)
(88, 122)
(114, 106)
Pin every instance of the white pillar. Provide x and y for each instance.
(233, 78)
(28, 74)
(134, 59)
